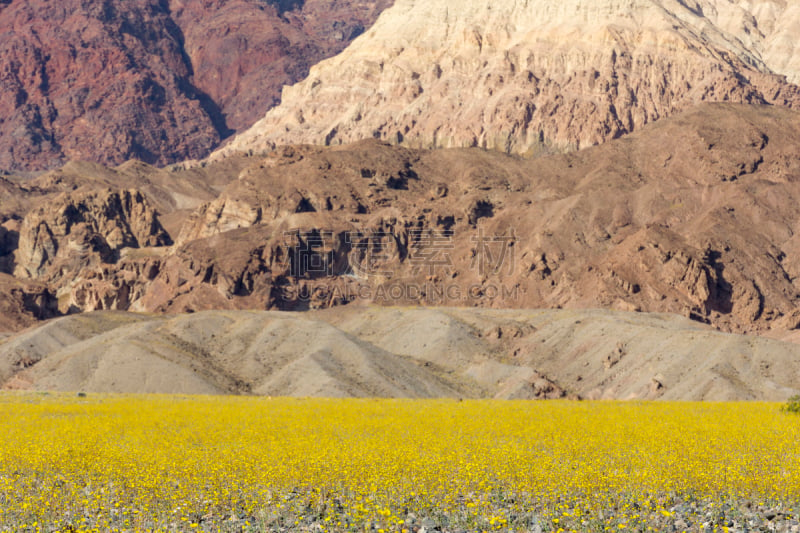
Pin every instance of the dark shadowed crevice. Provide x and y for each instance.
(209, 106)
(185, 86)
(285, 5)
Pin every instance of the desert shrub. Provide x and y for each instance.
(792, 405)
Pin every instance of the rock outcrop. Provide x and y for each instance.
(538, 75)
(659, 221)
(69, 232)
(694, 215)
(23, 304)
(160, 81)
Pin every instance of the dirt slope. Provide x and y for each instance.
(401, 352)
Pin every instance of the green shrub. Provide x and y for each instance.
(792, 405)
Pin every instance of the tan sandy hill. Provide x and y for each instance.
(401, 352)
(693, 215)
(533, 75)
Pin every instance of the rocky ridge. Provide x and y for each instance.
(97, 224)
(693, 215)
(536, 76)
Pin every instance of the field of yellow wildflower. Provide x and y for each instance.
(166, 463)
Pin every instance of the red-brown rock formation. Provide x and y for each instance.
(159, 81)
(693, 215)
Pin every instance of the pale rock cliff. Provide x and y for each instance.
(526, 76)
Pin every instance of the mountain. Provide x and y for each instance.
(160, 81)
(693, 215)
(401, 352)
(419, 195)
(531, 76)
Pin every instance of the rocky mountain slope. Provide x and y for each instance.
(416, 353)
(537, 75)
(24, 304)
(694, 215)
(160, 81)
